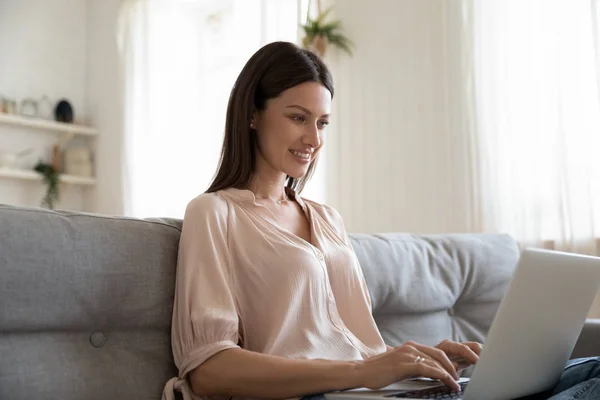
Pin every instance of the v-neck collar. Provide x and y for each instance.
(247, 197)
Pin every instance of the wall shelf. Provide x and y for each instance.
(25, 174)
(47, 125)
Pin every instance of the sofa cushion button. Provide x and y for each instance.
(97, 339)
(451, 312)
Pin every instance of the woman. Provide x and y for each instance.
(270, 299)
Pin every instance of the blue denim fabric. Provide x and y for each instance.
(580, 380)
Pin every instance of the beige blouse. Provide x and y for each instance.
(244, 281)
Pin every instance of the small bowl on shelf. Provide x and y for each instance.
(11, 159)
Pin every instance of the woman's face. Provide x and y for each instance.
(291, 128)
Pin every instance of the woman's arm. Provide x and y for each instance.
(239, 372)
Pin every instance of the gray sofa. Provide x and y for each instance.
(85, 300)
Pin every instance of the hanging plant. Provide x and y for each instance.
(319, 34)
(51, 179)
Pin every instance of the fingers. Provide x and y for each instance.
(459, 363)
(465, 351)
(431, 369)
(415, 363)
(475, 346)
(438, 355)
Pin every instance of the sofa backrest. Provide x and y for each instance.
(86, 300)
(434, 287)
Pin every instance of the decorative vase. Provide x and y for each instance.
(318, 45)
(63, 112)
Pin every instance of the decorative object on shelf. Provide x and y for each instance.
(63, 112)
(78, 161)
(28, 108)
(10, 159)
(9, 106)
(320, 34)
(51, 179)
(45, 109)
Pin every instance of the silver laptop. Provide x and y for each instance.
(531, 338)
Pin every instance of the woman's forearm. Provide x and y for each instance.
(238, 372)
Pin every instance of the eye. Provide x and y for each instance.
(298, 118)
(323, 124)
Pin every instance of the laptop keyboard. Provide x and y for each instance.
(438, 392)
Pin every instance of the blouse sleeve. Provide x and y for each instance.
(205, 318)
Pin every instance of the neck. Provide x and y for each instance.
(272, 189)
(266, 182)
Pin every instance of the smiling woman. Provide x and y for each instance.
(270, 298)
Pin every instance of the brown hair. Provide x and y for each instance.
(273, 69)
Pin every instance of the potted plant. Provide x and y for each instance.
(51, 179)
(319, 34)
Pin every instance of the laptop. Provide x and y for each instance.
(531, 338)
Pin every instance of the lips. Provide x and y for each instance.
(301, 154)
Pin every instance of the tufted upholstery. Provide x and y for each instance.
(86, 300)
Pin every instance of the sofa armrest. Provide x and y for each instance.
(588, 344)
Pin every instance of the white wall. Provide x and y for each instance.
(64, 49)
(396, 152)
(105, 104)
(42, 52)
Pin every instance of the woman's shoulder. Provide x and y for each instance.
(206, 204)
(327, 212)
(321, 207)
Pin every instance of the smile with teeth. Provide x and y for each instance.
(304, 156)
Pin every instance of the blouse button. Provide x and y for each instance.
(320, 256)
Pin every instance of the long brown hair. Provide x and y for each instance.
(271, 70)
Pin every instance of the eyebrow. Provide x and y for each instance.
(306, 110)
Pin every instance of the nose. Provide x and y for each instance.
(312, 137)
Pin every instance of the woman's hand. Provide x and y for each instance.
(410, 360)
(462, 355)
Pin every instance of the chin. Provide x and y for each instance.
(297, 174)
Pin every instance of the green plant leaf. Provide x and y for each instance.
(330, 30)
(342, 42)
(321, 17)
(332, 26)
(51, 178)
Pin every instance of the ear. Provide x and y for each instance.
(255, 120)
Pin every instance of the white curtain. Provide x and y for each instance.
(180, 60)
(536, 120)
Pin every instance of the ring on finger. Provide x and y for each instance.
(419, 359)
